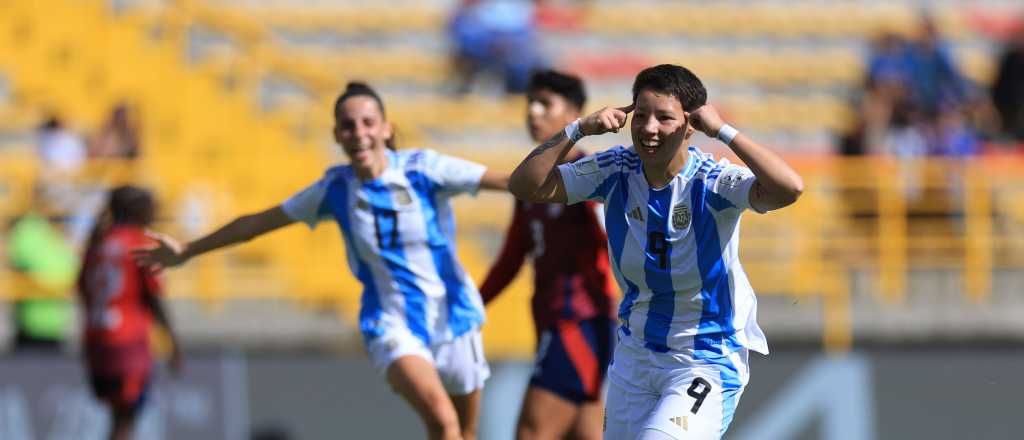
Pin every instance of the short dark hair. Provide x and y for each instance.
(674, 80)
(131, 204)
(357, 88)
(568, 86)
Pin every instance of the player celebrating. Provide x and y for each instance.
(573, 309)
(421, 313)
(688, 316)
(120, 298)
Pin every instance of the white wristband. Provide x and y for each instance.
(572, 131)
(727, 133)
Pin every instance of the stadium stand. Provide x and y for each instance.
(235, 99)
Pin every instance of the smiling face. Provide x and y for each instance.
(363, 133)
(547, 113)
(659, 126)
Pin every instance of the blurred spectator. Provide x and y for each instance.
(915, 101)
(494, 36)
(936, 84)
(61, 154)
(119, 136)
(60, 150)
(45, 267)
(1008, 90)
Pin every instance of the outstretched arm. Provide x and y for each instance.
(168, 253)
(494, 180)
(536, 179)
(517, 244)
(777, 184)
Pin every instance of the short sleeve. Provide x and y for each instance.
(734, 184)
(450, 174)
(307, 205)
(588, 177)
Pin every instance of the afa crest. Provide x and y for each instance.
(681, 216)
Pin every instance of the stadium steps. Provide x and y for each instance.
(198, 137)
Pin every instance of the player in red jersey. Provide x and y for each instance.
(120, 300)
(574, 300)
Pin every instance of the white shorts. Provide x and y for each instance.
(682, 398)
(459, 362)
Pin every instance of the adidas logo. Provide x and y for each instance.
(681, 422)
(636, 214)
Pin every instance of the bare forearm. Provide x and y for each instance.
(159, 313)
(239, 230)
(531, 180)
(775, 176)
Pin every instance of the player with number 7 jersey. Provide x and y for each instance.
(672, 213)
(420, 313)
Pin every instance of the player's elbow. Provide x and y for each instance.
(792, 191)
(525, 188)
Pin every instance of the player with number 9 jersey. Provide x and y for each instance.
(672, 214)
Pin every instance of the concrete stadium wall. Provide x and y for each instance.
(793, 394)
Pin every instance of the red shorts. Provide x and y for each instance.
(120, 374)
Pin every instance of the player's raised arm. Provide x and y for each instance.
(167, 253)
(493, 180)
(536, 179)
(777, 185)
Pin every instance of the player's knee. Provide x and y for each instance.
(468, 429)
(443, 424)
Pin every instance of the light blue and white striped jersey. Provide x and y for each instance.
(399, 236)
(675, 250)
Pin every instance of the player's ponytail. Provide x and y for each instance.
(358, 88)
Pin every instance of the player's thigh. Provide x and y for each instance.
(626, 409)
(467, 406)
(416, 380)
(589, 423)
(692, 408)
(545, 415)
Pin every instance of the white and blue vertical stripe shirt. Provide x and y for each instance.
(399, 235)
(674, 250)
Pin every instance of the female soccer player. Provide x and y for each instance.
(120, 298)
(421, 313)
(688, 316)
(573, 300)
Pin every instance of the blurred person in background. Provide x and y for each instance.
(44, 267)
(120, 299)
(118, 138)
(494, 36)
(1008, 89)
(59, 149)
(574, 297)
(936, 84)
(421, 313)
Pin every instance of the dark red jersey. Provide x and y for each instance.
(113, 288)
(572, 276)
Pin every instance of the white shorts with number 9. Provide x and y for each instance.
(665, 396)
